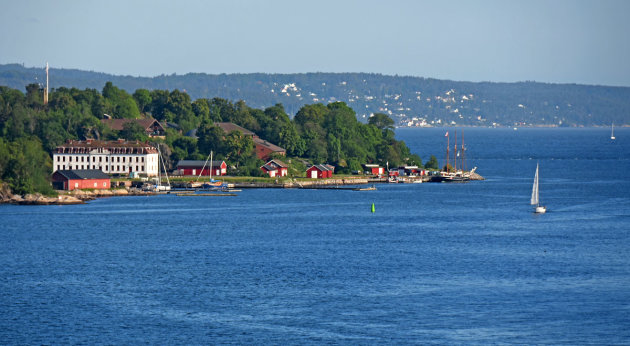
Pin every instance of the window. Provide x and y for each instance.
(123, 159)
(100, 159)
(70, 159)
(118, 159)
(104, 184)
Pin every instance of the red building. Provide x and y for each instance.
(320, 171)
(264, 149)
(275, 168)
(80, 179)
(373, 169)
(196, 168)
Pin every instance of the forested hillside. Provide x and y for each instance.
(30, 130)
(410, 101)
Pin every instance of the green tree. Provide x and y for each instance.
(27, 169)
(120, 103)
(133, 131)
(143, 99)
(381, 121)
(210, 138)
(432, 163)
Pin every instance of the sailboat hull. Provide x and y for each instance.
(540, 210)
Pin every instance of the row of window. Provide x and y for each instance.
(62, 158)
(104, 169)
(76, 185)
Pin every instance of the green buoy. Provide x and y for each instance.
(373, 207)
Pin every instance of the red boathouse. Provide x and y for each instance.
(320, 171)
(80, 179)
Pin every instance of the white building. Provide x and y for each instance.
(111, 157)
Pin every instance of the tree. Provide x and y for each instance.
(143, 99)
(210, 138)
(381, 121)
(122, 104)
(27, 169)
(133, 131)
(432, 163)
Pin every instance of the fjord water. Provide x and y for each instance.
(435, 263)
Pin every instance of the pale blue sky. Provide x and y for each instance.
(558, 41)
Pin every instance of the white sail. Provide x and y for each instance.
(534, 200)
(612, 131)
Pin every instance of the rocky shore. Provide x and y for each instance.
(64, 197)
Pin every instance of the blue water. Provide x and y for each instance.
(436, 263)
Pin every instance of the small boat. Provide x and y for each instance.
(538, 209)
(371, 188)
(612, 131)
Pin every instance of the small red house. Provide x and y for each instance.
(320, 171)
(373, 169)
(80, 179)
(275, 168)
(196, 168)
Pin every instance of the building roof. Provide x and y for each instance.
(198, 163)
(323, 167)
(371, 165)
(269, 167)
(278, 163)
(270, 146)
(118, 124)
(73, 174)
(274, 165)
(229, 127)
(116, 147)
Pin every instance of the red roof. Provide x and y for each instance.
(118, 124)
(229, 127)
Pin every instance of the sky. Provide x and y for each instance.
(551, 41)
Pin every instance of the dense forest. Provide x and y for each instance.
(318, 133)
(409, 101)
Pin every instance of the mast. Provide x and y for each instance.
(455, 153)
(46, 90)
(211, 166)
(463, 153)
(447, 153)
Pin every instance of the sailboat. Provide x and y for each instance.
(539, 209)
(612, 131)
(158, 181)
(212, 184)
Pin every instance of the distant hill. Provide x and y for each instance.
(410, 101)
